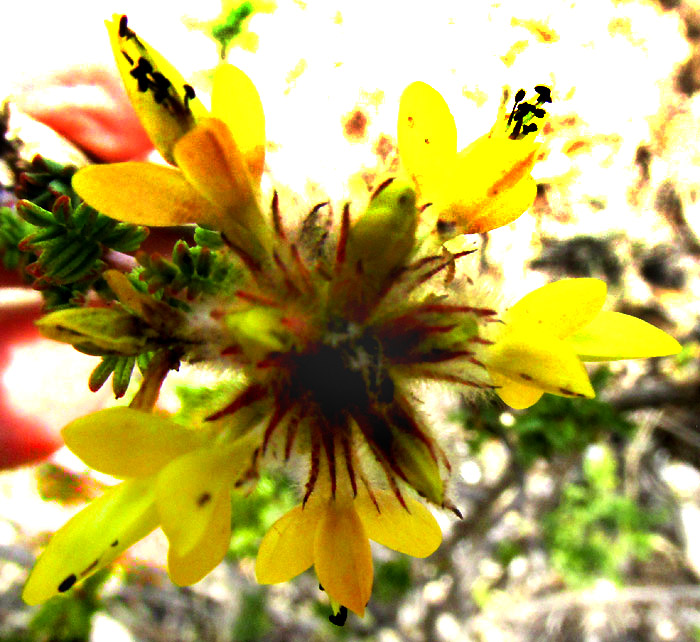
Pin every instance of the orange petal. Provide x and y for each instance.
(342, 557)
(143, 193)
(213, 164)
(287, 548)
(414, 533)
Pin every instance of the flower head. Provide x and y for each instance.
(487, 184)
(331, 326)
(550, 331)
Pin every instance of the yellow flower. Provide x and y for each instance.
(219, 157)
(333, 533)
(173, 477)
(484, 186)
(550, 331)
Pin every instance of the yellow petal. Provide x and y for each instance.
(189, 489)
(559, 308)
(416, 533)
(212, 163)
(287, 548)
(427, 135)
(490, 213)
(236, 102)
(143, 193)
(489, 184)
(158, 96)
(93, 538)
(342, 557)
(541, 361)
(612, 335)
(128, 443)
(203, 558)
(516, 395)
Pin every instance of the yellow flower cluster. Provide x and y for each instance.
(330, 338)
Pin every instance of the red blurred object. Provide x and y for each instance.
(88, 106)
(24, 438)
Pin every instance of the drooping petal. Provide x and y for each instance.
(414, 533)
(144, 193)
(124, 442)
(541, 361)
(287, 548)
(188, 491)
(612, 335)
(427, 135)
(93, 538)
(236, 102)
(165, 104)
(517, 395)
(342, 557)
(559, 308)
(489, 184)
(203, 558)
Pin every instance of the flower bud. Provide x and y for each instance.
(383, 237)
(99, 331)
(259, 331)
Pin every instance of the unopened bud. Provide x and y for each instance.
(259, 331)
(99, 331)
(383, 237)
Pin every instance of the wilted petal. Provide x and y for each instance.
(236, 102)
(144, 193)
(164, 108)
(414, 533)
(559, 308)
(189, 489)
(94, 538)
(427, 136)
(342, 557)
(612, 335)
(203, 558)
(540, 361)
(287, 548)
(128, 443)
(516, 395)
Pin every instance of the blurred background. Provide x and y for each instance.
(581, 518)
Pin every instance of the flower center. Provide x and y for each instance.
(345, 371)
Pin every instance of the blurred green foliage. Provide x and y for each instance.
(253, 621)
(596, 530)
